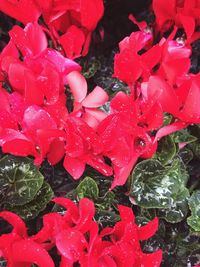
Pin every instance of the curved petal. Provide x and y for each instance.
(71, 244)
(16, 143)
(171, 128)
(74, 166)
(17, 223)
(86, 214)
(78, 85)
(148, 230)
(70, 206)
(29, 251)
(122, 173)
(72, 41)
(96, 98)
(23, 10)
(151, 260)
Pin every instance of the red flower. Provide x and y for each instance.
(68, 233)
(123, 245)
(85, 106)
(125, 134)
(23, 10)
(18, 248)
(127, 64)
(183, 14)
(81, 149)
(170, 58)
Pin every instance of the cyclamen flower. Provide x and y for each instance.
(168, 59)
(41, 74)
(125, 135)
(85, 106)
(78, 240)
(17, 247)
(73, 20)
(183, 14)
(41, 125)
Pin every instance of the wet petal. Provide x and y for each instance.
(96, 98)
(78, 85)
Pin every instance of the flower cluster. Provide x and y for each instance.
(37, 82)
(179, 13)
(77, 239)
(175, 14)
(69, 23)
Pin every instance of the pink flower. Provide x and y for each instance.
(85, 106)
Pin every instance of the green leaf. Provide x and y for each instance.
(106, 201)
(178, 209)
(88, 188)
(166, 150)
(106, 218)
(155, 186)
(167, 119)
(20, 180)
(34, 207)
(194, 205)
(196, 149)
(90, 67)
(183, 136)
(186, 155)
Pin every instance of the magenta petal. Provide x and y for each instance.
(63, 65)
(56, 151)
(86, 213)
(33, 31)
(191, 109)
(71, 244)
(29, 251)
(17, 223)
(122, 173)
(169, 129)
(148, 230)
(25, 38)
(16, 143)
(93, 117)
(72, 41)
(90, 120)
(16, 76)
(65, 262)
(78, 85)
(159, 90)
(74, 166)
(126, 214)
(96, 98)
(70, 206)
(23, 10)
(36, 118)
(151, 260)
(52, 224)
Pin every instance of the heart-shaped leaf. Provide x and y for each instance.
(178, 209)
(156, 186)
(20, 180)
(194, 204)
(34, 207)
(166, 150)
(88, 188)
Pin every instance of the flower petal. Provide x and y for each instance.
(29, 251)
(96, 98)
(78, 85)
